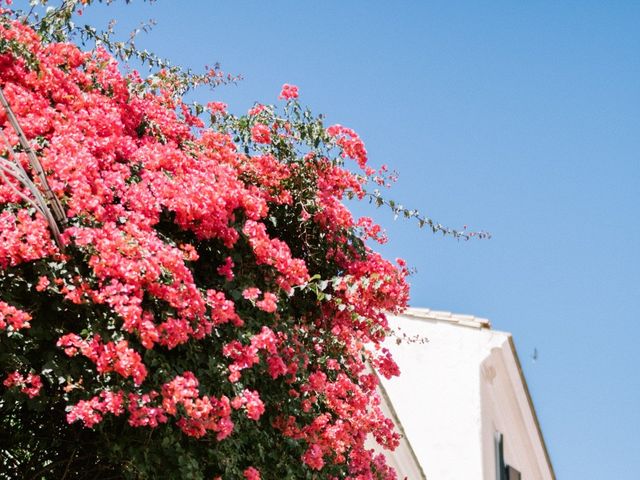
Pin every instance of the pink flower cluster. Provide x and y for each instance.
(251, 293)
(250, 400)
(91, 411)
(260, 133)
(268, 175)
(268, 303)
(143, 412)
(251, 473)
(202, 414)
(226, 269)
(245, 356)
(328, 435)
(217, 107)
(222, 309)
(23, 237)
(289, 92)
(29, 385)
(351, 144)
(276, 253)
(386, 365)
(13, 317)
(109, 357)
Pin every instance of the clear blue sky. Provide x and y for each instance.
(521, 118)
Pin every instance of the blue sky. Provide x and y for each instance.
(521, 118)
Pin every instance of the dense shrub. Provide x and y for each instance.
(213, 305)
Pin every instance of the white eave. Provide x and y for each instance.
(441, 316)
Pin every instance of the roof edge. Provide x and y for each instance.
(398, 424)
(442, 316)
(523, 380)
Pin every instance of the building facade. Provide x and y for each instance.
(461, 402)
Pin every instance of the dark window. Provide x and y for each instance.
(512, 473)
(503, 471)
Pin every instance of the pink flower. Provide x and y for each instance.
(29, 385)
(71, 343)
(251, 293)
(222, 310)
(251, 474)
(260, 133)
(254, 405)
(276, 253)
(217, 107)
(256, 109)
(108, 357)
(386, 365)
(318, 380)
(189, 252)
(10, 315)
(13, 379)
(313, 457)
(250, 399)
(277, 367)
(36, 384)
(265, 340)
(140, 414)
(288, 92)
(43, 283)
(226, 269)
(86, 411)
(268, 303)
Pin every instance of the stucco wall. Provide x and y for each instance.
(454, 392)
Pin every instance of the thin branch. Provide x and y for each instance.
(52, 200)
(15, 169)
(422, 220)
(12, 159)
(18, 173)
(16, 191)
(66, 470)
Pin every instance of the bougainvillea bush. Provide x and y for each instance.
(213, 310)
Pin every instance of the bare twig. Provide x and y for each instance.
(423, 221)
(66, 470)
(4, 170)
(14, 168)
(33, 160)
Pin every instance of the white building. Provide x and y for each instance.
(461, 402)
